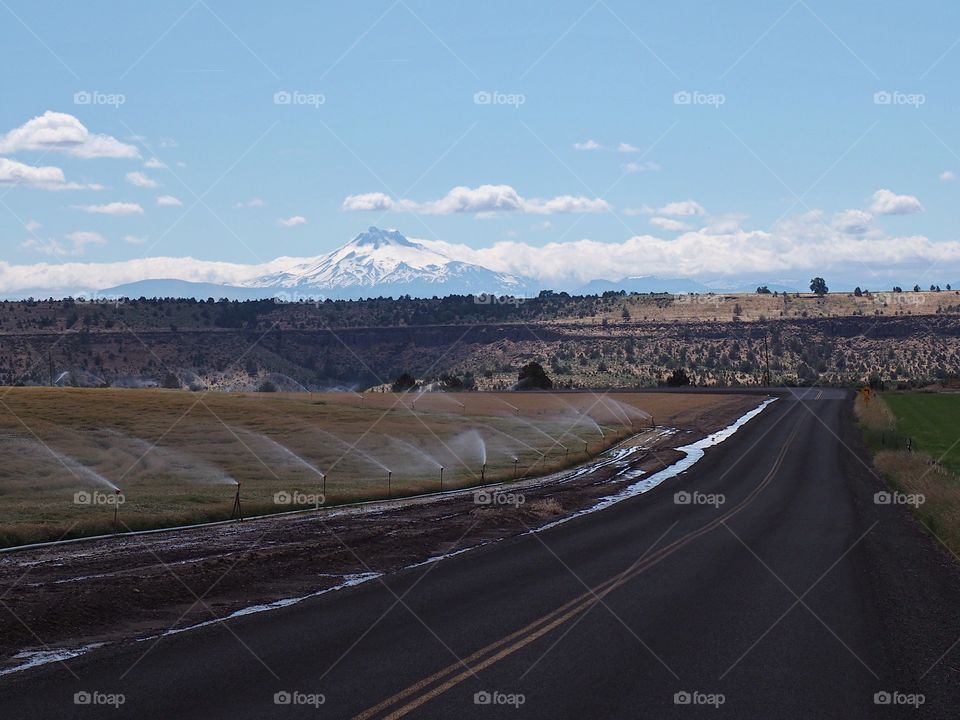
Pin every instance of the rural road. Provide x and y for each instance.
(796, 597)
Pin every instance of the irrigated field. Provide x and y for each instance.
(177, 457)
(933, 421)
(928, 424)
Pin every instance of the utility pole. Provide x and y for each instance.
(766, 353)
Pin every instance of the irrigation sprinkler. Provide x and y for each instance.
(389, 480)
(515, 461)
(483, 472)
(116, 511)
(237, 513)
(441, 477)
(586, 447)
(566, 452)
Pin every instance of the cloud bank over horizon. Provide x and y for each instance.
(848, 244)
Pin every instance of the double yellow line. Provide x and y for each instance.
(440, 682)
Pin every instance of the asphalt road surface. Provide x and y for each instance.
(780, 590)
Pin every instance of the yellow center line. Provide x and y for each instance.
(543, 625)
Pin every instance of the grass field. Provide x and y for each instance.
(177, 457)
(932, 421)
(931, 424)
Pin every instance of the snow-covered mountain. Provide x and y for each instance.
(384, 262)
(375, 263)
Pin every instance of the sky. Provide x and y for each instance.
(572, 140)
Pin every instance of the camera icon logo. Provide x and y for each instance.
(681, 498)
(482, 97)
(682, 97)
(282, 97)
(482, 698)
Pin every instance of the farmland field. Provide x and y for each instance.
(933, 421)
(171, 457)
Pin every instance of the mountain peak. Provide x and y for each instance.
(375, 238)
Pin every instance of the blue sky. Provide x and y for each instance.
(782, 147)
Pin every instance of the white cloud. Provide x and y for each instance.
(680, 208)
(139, 179)
(854, 222)
(42, 177)
(78, 240)
(60, 132)
(646, 165)
(587, 145)
(32, 225)
(82, 238)
(669, 224)
(887, 202)
(947, 176)
(155, 164)
(627, 148)
(251, 203)
(375, 201)
(68, 276)
(113, 208)
(803, 245)
(482, 201)
(683, 208)
(134, 239)
(292, 221)
(168, 201)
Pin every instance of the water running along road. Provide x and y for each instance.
(778, 588)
